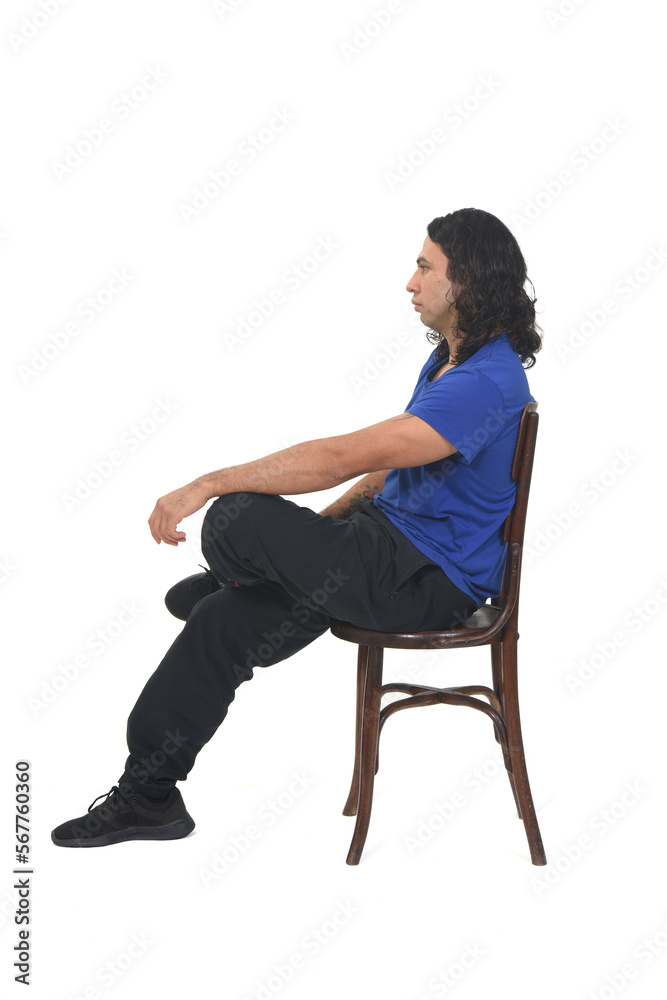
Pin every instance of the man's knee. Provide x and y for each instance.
(223, 513)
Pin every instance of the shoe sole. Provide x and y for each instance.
(171, 831)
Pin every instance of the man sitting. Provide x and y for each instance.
(415, 544)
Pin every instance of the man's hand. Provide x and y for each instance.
(173, 507)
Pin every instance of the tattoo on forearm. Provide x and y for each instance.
(354, 501)
(357, 500)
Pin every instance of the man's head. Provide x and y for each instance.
(431, 289)
(469, 286)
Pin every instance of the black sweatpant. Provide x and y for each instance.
(287, 571)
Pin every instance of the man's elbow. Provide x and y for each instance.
(342, 461)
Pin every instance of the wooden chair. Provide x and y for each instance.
(496, 625)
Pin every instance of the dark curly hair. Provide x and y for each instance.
(488, 273)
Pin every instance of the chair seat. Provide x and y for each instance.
(478, 623)
(484, 617)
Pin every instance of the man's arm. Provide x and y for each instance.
(398, 443)
(351, 501)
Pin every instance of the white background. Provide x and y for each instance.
(595, 574)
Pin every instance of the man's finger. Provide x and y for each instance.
(166, 530)
(156, 528)
(173, 538)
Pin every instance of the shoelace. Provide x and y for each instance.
(211, 574)
(114, 790)
(208, 572)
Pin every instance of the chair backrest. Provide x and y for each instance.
(522, 469)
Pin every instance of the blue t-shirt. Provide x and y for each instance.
(453, 510)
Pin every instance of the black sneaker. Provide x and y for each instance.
(183, 596)
(126, 816)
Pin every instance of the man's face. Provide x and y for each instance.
(431, 289)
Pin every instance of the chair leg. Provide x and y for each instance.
(350, 808)
(497, 674)
(368, 750)
(510, 702)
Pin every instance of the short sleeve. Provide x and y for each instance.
(466, 407)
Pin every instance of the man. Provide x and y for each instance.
(415, 544)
